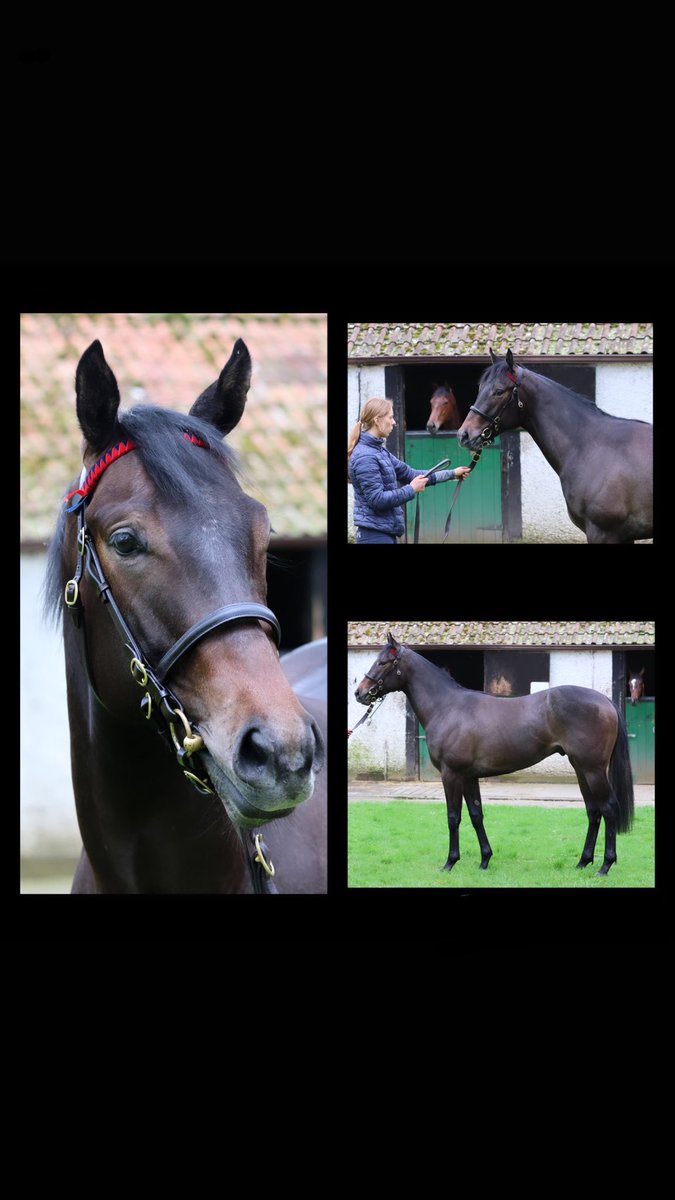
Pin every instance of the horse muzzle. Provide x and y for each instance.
(267, 775)
(469, 440)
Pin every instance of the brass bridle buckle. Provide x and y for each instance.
(260, 857)
(192, 742)
(138, 671)
(69, 596)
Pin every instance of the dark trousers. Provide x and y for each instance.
(372, 536)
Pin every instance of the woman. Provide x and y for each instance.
(382, 483)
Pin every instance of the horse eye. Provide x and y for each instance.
(124, 542)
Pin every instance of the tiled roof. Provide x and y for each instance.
(429, 341)
(168, 359)
(557, 634)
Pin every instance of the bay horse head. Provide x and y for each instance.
(636, 686)
(177, 551)
(444, 411)
(497, 405)
(384, 675)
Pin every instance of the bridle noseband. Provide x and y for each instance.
(492, 429)
(159, 703)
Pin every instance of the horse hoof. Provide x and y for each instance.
(603, 871)
(582, 864)
(448, 866)
(484, 865)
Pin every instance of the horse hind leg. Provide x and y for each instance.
(475, 807)
(600, 802)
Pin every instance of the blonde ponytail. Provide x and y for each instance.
(372, 409)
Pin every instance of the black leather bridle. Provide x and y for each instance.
(491, 430)
(159, 703)
(377, 690)
(376, 693)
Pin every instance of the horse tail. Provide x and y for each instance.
(621, 776)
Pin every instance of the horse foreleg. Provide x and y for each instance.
(452, 786)
(475, 807)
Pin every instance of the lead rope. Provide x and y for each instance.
(474, 462)
(372, 708)
(445, 462)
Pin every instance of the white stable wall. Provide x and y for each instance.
(362, 384)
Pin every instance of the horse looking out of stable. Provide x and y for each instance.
(444, 414)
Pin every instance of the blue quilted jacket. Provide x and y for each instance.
(382, 485)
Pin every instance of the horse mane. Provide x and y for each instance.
(181, 472)
(493, 370)
(444, 671)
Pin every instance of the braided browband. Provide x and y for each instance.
(87, 485)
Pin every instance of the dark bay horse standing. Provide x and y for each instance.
(605, 463)
(444, 411)
(472, 735)
(194, 762)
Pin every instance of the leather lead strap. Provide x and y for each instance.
(445, 462)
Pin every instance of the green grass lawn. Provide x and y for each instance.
(404, 844)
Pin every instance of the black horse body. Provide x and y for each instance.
(472, 735)
(604, 462)
(178, 541)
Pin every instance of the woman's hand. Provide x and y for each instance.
(419, 483)
(462, 472)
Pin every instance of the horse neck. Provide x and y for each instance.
(553, 422)
(421, 681)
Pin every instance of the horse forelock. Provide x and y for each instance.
(180, 470)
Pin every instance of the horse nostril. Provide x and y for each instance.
(263, 760)
(254, 754)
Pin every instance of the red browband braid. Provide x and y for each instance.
(196, 441)
(111, 456)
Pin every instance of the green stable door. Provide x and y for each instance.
(641, 721)
(477, 515)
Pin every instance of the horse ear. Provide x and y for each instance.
(509, 360)
(97, 398)
(222, 404)
(492, 356)
(391, 641)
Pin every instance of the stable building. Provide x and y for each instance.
(514, 495)
(504, 658)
